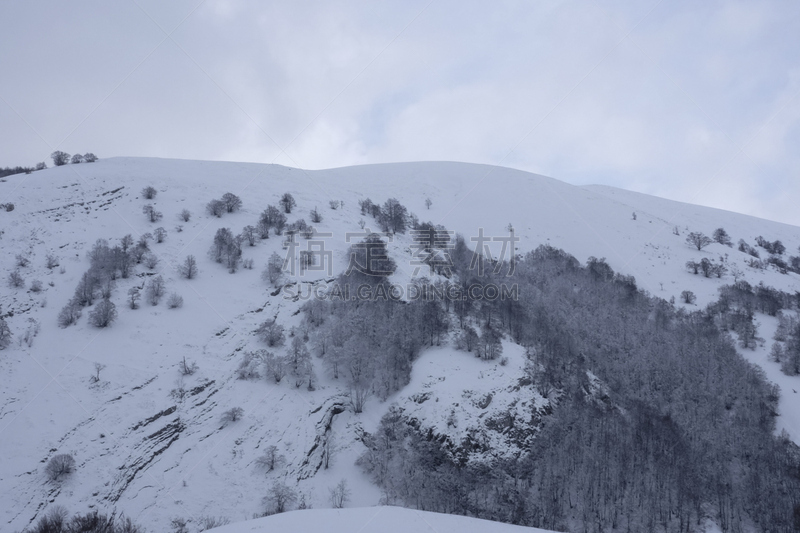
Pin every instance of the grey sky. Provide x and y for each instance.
(695, 101)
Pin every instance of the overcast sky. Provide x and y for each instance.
(694, 101)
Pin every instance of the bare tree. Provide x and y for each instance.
(60, 465)
(232, 202)
(232, 415)
(698, 240)
(393, 216)
(152, 214)
(103, 314)
(77, 158)
(226, 249)
(150, 261)
(60, 158)
(271, 459)
(187, 368)
(428, 203)
(274, 366)
(134, 294)
(339, 495)
(279, 498)
(155, 290)
(89, 157)
(249, 233)
(185, 215)
(69, 314)
(248, 366)
(274, 270)
(144, 240)
(721, 236)
(215, 208)
(98, 367)
(287, 202)
(30, 332)
(149, 192)
(189, 268)
(271, 332)
(160, 234)
(5, 332)
(316, 216)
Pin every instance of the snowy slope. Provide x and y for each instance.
(372, 520)
(139, 450)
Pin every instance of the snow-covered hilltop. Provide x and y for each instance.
(148, 432)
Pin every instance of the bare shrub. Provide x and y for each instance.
(149, 192)
(69, 314)
(210, 522)
(215, 208)
(150, 261)
(248, 367)
(59, 466)
(272, 333)
(16, 280)
(187, 368)
(174, 301)
(232, 415)
(103, 314)
(51, 261)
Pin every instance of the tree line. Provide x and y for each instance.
(683, 433)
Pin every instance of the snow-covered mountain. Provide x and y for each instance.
(142, 450)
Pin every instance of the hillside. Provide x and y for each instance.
(141, 450)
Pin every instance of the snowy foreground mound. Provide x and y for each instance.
(371, 520)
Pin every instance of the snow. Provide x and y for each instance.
(185, 462)
(789, 403)
(372, 520)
